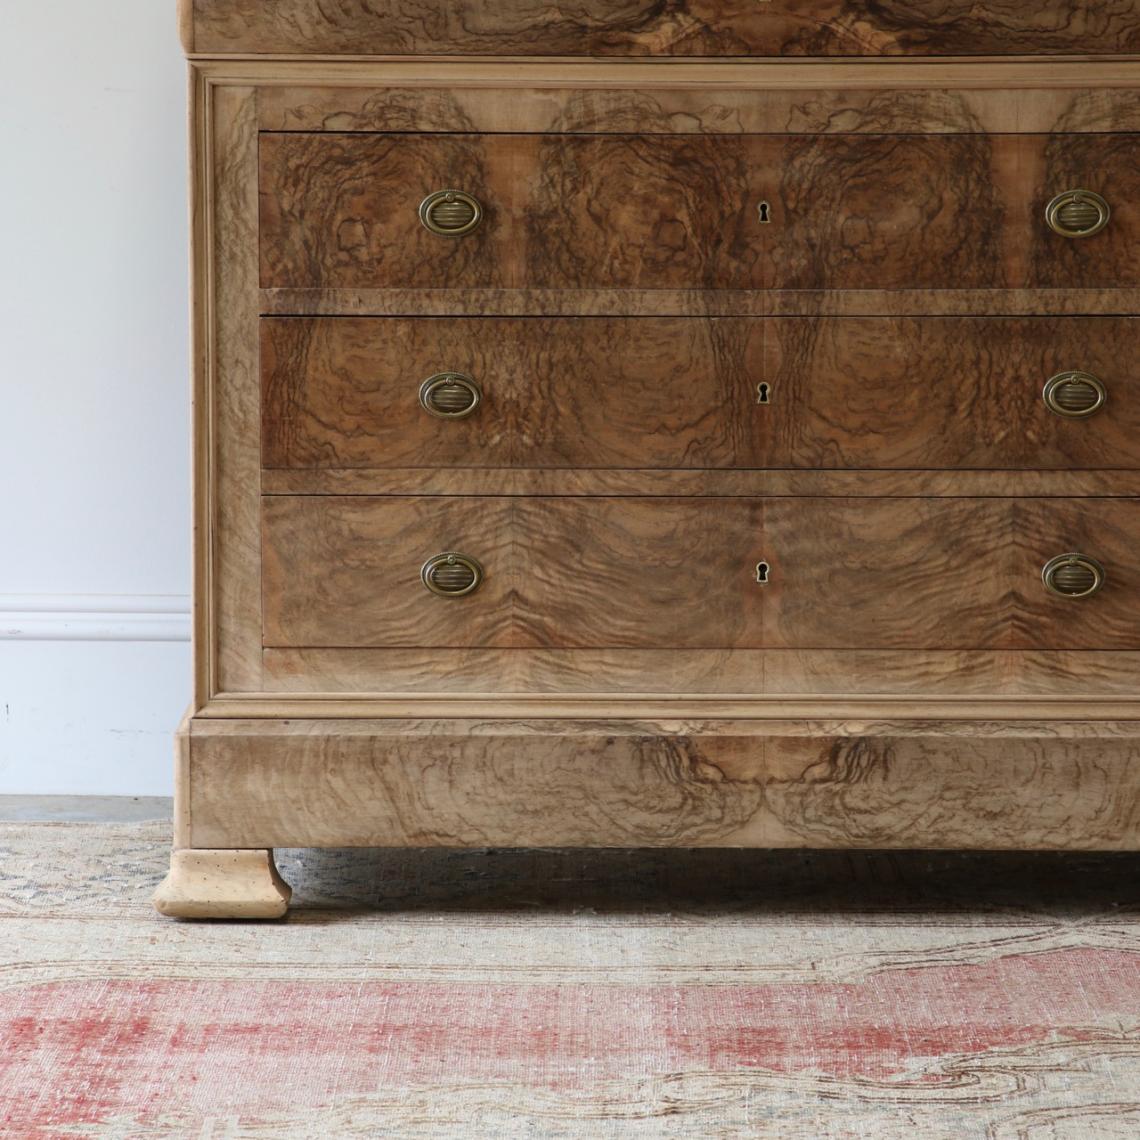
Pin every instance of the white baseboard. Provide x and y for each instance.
(94, 617)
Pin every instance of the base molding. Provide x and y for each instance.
(1013, 785)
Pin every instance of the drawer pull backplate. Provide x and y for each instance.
(1074, 395)
(450, 213)
(452, 575)
(1077, 214)
(450, 395)
(1073, 575)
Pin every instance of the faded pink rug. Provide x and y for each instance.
(572, 994)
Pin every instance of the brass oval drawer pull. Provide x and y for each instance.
(1074, 395)
(1077, 213)
(450, 213)
(452, 575)
(1073, 575)
(450, 395)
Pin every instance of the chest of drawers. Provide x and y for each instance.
(700, 424)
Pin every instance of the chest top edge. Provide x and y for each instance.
(694, 29)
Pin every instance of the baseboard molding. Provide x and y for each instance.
(94, 617)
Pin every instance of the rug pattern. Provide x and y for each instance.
(484, 994)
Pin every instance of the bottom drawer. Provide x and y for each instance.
(794, 572)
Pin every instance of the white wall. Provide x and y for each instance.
(94, 433)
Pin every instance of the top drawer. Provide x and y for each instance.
(649, 27)
(565, 212)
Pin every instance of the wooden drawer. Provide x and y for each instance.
(655, 392)
(648, 27)
(604, 572)
(686, 212)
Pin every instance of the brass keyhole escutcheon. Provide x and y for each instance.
(765, 212)
(450, 213)
(763, 573)
(1073, 575)
(452, 575)
(450, 395)
(763, 393)
(1077, 214)
(1074, 395)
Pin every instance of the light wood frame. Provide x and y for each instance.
(236, 702)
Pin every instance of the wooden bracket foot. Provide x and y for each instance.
(223, 884)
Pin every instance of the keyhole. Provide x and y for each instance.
(765, 213)
(762, 572)
(762, 393)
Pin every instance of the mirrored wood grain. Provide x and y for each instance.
(643, 27)
(717, 393)
(687, 212)
(582, 573)
(635, 783)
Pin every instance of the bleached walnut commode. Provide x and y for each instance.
(692, 423)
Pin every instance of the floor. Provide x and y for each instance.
(84, 809)
(566, 994)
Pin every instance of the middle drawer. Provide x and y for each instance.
(725, 392)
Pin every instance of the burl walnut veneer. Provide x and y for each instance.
(690, 424)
